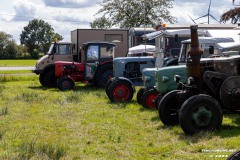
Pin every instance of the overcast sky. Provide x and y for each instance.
(67, 15)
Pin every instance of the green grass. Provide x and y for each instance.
(15, 72)
(13, 63)
(42, 123)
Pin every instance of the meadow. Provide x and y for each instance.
(45, 123)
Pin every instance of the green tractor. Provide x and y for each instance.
(212, 89)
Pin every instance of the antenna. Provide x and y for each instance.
(206, 15)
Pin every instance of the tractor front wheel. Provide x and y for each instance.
(65, 83)
(168, 108)
(200, 112)
(120, 91)
(149, 97)
(48, 78)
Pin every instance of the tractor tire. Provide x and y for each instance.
(149, 98)
(48, 78)
(158, 99)
(168, 108)
(109, 82)
(140, 94)
(104, 73)
(65, 83)
(120, 91)
(234, 156)
(200, 113)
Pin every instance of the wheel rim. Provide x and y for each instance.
(121, 92)
(66, 84)
(151, 99)
(202, 116)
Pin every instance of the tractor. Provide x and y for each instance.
(212, 89)
(128, 70)
(159, 81)
(95, 68)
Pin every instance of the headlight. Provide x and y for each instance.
(190, 81)
(165, 79)
(177, 78)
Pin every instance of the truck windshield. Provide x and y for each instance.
(183, 52)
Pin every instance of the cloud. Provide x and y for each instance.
(70, 3)
(24, 10)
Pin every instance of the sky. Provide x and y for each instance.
(67, 15)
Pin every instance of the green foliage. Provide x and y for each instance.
(133, 13)
(38, 35)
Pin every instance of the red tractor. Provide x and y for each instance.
(95, 67)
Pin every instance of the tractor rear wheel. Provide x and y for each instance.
(168, 108)
(200, 112)
(120, 91)
(149, 97)
(104, 73)
(65, 83)
(139, 95)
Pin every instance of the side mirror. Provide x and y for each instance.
(211, 49)
(176, 38)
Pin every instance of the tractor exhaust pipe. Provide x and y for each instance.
(193, 64)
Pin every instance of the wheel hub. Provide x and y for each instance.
(202, 117)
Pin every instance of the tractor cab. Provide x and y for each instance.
(95, 66)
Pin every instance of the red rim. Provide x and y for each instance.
(66, 84)
(151, 99)
(121, 92)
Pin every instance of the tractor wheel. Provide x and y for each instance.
(109, 82)
(104, 73)
(200, 112)
(65, 83)
(139, 95)
(120, 91)
(149, 98)
(168, 108)
(48, 78)
(158, 99)
(234, 156)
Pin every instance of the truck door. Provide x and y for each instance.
(61, 52)
(91, 60)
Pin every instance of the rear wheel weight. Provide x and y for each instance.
(200, 112)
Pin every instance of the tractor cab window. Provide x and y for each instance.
(62, 49)
(183, 52)
(106, 51)
(92, 52)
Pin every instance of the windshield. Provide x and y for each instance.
(183, 52)
(50, 49)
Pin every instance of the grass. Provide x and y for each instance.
(42, 123)
(16, 63)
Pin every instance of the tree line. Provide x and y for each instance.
(38, 35)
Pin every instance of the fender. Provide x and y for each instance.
(47, 67)
(125, 79)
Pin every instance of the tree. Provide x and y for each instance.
(38, 35)
(133, 13)
(232, 14)
(8, 47)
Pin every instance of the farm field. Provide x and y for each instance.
(14, 63)
(43, 123)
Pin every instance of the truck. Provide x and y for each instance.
(69, 51)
